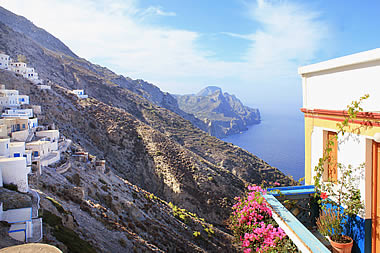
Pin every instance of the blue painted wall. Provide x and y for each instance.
(357, 228)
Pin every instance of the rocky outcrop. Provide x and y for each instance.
(14, 200)
(222, 113)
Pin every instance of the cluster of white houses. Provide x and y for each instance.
(24, 148)
(18, 67)
(18, 153)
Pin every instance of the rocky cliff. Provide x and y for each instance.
(223, 114)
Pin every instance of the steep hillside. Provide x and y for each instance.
(145, 138)
(222, 113)
(164, 154)
(88, 210)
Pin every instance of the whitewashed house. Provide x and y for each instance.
(4, 61)
(32, 123)
(14, 171)
(8, 100)
(14, 124)
(328, 87)
(44, 151)
(18, 113)
(12, 98)
(18, 67)
(27, 72)
(80, 93)
(13, 164)
(23, 99)
(23, 225)
(50, 135)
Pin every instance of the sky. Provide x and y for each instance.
(250, 48)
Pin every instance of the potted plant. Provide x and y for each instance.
(333, 217)
(339, 196)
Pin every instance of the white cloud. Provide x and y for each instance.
(158, 11)
(289, 35)
(119, 33)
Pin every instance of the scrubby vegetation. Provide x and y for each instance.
(65, 235)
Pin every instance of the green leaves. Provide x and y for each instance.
(343, 192)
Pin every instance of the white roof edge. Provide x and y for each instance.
(366, 56)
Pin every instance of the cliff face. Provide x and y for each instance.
(222, 113)
(147, 142)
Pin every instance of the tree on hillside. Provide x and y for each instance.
(21, 58)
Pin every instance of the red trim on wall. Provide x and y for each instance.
(371, 115)
(368, 115)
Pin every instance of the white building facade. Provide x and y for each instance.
(80, 93)
(328, 87)
(4, 61)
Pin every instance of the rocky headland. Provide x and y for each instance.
(222, 113)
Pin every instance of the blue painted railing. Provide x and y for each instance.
(297, 232)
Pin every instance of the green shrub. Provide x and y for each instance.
(11, 187)
(51, 219)
(72, 241)
(65, 235)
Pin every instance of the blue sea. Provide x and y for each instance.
(278, 140)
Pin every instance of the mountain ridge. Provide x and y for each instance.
(223, 114)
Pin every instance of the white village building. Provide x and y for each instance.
(13, 164)
(80, 93)
(12, 98)
(22, 69)
(328, 87)
(4, 61)
(18, 113)
(24, 227)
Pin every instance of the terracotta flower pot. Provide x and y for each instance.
(342, 247)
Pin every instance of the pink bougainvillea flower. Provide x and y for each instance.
(252, 215)
(246, 243)
(277, 184)
(247, 250)
(323, 195)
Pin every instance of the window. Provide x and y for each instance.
(35, 154)
(330, 169)
(23, 126)
(16, 155)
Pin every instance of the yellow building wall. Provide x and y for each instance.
(331, 123)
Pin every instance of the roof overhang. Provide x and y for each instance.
(349, 60)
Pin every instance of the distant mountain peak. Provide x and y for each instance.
(209, 90)
(224, 114)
